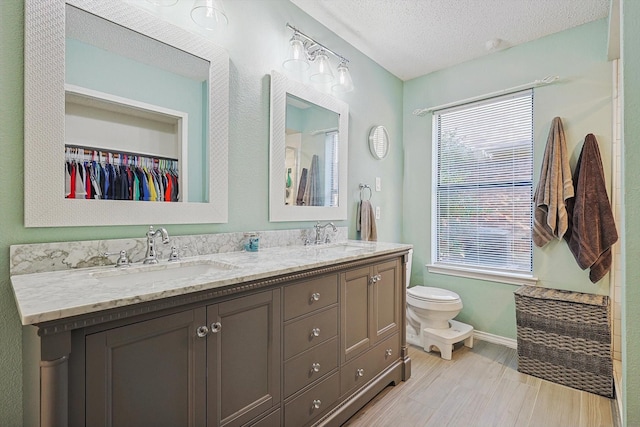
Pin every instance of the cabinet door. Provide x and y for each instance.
(387, 298)
(357, 321)
(243, 358)
(150, 373)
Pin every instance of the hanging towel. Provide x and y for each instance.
(313, 192)
(366, 221)
(592, 229)
(554, 188)
(302, 187)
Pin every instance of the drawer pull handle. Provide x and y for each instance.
(202, 331)
(389, 352)
(316, 404)
(315, 367)
(215, 327)
(360, 372)
(315, 296)
(315, 332)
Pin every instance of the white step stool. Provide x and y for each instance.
(444, 339)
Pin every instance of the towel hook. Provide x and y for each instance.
(365, 187)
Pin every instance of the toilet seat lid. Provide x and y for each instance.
(427, 293)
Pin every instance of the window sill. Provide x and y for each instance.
(469, 273)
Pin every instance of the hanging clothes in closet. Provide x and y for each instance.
(97, 174)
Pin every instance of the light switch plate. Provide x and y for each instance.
(378, 183)
(377, 212)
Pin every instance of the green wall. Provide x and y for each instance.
(256, 43)
(631, 207)
(582, 98)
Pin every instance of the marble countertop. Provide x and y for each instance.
(47, 296)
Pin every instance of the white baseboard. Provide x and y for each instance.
(495, 339)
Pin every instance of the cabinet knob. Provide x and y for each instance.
(202, 331)
(315, 296)
(315, 367)
(360, 372)
(215, 327)
(316, 404)
(388, 352)
(315, 332)
(377, 277)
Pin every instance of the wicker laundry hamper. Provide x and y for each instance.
(565, 337)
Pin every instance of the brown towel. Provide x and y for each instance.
(302, 187)
(366, 221)
(554, 188)
(592, 229)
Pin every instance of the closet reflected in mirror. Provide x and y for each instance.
(116, 94)
(308, 154)
(135, 115)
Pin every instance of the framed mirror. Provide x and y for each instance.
(109, 84)
(308, 153)
(379, 142)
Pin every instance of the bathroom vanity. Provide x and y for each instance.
(289, 336)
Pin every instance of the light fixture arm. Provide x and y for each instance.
(314, 44)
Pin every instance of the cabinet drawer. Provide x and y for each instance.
(310, 331)
(302, 410)
(305, 297)
(364, 368)
(307, 367)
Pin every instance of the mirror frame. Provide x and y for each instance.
(44, 121)
(278, 211)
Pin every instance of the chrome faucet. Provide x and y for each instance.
(319, 227)
(151, 257)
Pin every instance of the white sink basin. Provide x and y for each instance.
(163, 272)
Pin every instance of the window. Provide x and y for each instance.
(483, 166)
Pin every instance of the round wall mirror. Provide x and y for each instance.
(379, 142)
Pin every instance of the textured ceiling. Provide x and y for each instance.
(411, 38)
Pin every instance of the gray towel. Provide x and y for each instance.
(592, 229)
(554, 188)
(302, 187)
(313, 194)
(366, 221)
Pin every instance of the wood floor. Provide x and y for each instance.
(480, 387)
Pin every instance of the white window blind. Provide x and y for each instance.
(484, 184)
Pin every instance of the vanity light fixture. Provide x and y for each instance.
(305, 52)
(208, 14)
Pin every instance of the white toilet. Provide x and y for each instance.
(429, 318)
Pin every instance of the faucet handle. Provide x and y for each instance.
(123, 259)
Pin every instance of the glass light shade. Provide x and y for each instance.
(163, 2)
(208, 14)
(297, 60)
(322, 69)
(343, 83)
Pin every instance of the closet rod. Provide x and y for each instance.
(128, 153)
(536, 83)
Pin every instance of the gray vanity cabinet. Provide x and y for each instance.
(150, 373)
(371, 306)
(243, 358)
(216, 365)
(301, 349)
